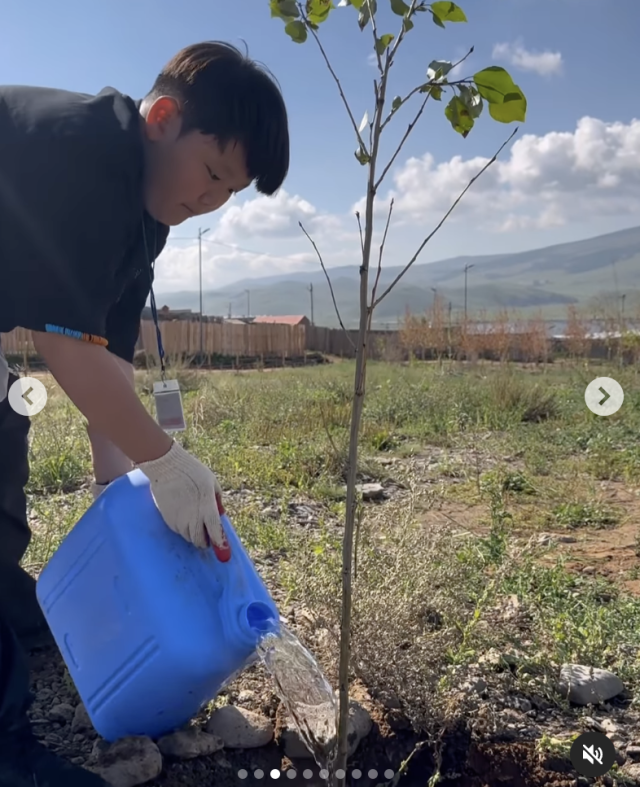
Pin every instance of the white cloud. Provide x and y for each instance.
(265, 217)
(178, 266)
(543, 63)
(542, 181)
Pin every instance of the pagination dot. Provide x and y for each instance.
(307, 773)
(373, 774)
(388, 774)
(242, 774)
(258, 774)
(340, 773)
(324, 773)
(291, 774)
(356, 773)
(275, 774)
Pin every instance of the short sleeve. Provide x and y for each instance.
(68, 203)
(123, 319)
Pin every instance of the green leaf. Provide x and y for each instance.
(383, 42)
(513, 108)
(436, 19)
(438, 69)
(397, 103)
(448, 12)
(284, 9)
(472, 100)
(297, 31)
(494, 83)
(364, 17)
(399, 7)
(407, 24)
(318, 10)
(355, 3)
(459, 116)
(435, 90)
(362, 156)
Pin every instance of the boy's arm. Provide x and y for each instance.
(109, 462)
(184, 489)
(92, 378)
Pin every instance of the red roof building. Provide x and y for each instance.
(297, 319)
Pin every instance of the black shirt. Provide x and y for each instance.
(74, 257)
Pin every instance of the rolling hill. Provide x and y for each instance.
(538, 281)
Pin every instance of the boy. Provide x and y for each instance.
(89, 186)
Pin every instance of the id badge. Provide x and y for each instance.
(169, 412)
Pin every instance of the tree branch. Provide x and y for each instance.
(374, 30)
(410, 128)
(360, 231)
(412, 125)
(339, 85)
(375, 285)
(333, 297)
(444, 218)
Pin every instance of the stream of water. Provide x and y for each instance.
(305, 692)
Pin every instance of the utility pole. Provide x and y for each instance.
(229, 309)
(248, 302)
(201, 232)
(311, 294)
(466, 271)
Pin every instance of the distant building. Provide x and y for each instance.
(297, 319)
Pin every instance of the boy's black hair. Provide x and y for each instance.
(225, 94)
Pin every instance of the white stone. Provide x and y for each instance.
(189, 744)
(588, 685)
(128, 762)
(239, 728)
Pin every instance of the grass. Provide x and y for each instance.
(518, 448)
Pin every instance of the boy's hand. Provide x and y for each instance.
(188, 496)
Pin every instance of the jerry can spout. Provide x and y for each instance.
(256, 620)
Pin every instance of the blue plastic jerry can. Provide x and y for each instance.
(150, 627)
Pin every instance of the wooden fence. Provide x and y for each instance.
(383, 345)
(182, 338)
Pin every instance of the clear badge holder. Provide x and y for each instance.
(169, 412)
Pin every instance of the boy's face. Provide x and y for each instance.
(187, 175)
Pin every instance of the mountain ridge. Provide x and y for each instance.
(544, 280)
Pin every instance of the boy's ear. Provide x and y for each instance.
(163, 120)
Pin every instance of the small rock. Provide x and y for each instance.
(238, 728)
(246, 697)
(371, 492)
(129, 762)
(632, 770)
(321, 722)
(587, 685)
(477, 686)
(594, 724)
(189, 744)
(633, 753)
(389, 700)
(618, 740)
(609, 726)
(81, 721)
(566, 539)
(589, 570)
(62, 712)
(522, 704)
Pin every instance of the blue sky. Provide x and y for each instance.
(573, 59)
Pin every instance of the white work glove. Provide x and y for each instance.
(188, 496)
